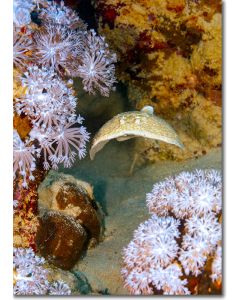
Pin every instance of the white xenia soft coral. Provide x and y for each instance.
(192, 200)
(187, 194)
(61, 144)
(46, 54)
(21, 45)
(217, 265)
(21, 12)
(149, 256)
(59, 288)
(97, 65)
(58, 13)
(37, 78)
(48, 101)
(23, 158)
(169, 280)
(66, 138)
(31, 277)
(50, 104)
(57, 45)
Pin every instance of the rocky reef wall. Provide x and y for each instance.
(170, 57)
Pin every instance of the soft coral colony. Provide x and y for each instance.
(31, 277)
(51, 46)
(48, 53)
(180, 239)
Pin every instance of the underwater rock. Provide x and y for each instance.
(60, 239)
(72, 197)
(175, 5)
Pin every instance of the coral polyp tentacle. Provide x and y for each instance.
(182, 234)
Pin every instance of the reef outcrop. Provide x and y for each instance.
(70, 219)
(170, 57)
(60, 239)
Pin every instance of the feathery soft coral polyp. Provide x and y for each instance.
(31, 275)
(183, 233)
(46, 54)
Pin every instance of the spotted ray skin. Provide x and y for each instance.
(134, 124)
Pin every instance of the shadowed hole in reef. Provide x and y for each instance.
(99, 193)
(85, 10)
(96, 109)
